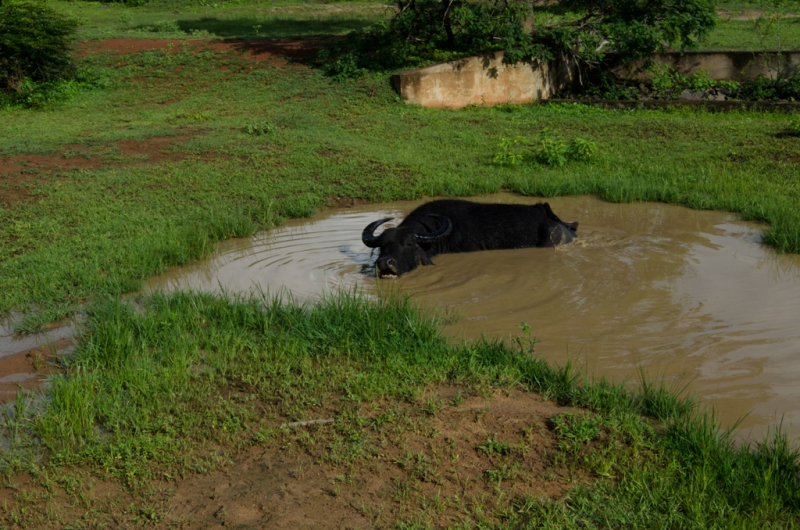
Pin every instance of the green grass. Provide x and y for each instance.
(271, 20)
(173, 385)
(743, 35)
(100, 232)
(291, 18)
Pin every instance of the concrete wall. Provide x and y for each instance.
(483, 80)
(733, 66)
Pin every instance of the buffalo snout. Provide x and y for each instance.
(386, 266)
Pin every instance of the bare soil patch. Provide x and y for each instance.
(253, 49)
(467, 460)
(18, 173)
(436, 472)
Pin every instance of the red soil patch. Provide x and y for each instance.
(17, 172)
(253, 49)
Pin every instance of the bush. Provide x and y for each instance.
(547, 150)
(37, 95)
(34, 45)
(583, 30)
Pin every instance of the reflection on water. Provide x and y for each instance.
(690, 296)
(27, 359)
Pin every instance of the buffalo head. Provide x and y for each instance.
(405, 247)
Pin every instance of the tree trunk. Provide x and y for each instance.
(451, 40)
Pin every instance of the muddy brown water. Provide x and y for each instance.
(26, 359)
(690, 297)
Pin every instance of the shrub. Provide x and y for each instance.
(547, 150)
(583, 30)
(34, 45)
(38, 95)
(261, 128)
(165, 26)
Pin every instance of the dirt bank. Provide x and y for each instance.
(473, 456)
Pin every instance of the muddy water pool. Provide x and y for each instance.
(691, 297)
(27, 359)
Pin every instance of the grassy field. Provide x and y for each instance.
(271, 20)
(119, 183)
(190, 382)
(737, 29)
(189, 143)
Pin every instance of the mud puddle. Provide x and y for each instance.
(26, 360)
(691, 297)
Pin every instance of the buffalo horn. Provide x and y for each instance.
(368, 236)
(443, 232)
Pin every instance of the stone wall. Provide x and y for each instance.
(483, 80)
(733, 66)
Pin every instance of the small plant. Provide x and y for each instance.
(700, 81)
(508, 152)
(580, 149)
(525, 342)
(666, 80)
(795, 124)
(730, 86)
(261, 129)
(504, 472)
(574, 430)
(493, 447)
(125, 20)
(554, 152)
(547, 150)
(165, 26)
(433, 406)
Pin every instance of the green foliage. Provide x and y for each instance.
(779, 87)
(795, 124)
(607, 86)
(548, 150)
(37, 95)
(417, 35)
(730, 86)
(35, 45)
(584, 30)
(575, 430)
(509, 152)
(668, 82)
(261, 128)
(493, 447)
(165, 26)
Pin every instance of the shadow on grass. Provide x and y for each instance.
(275, 28)
(301, 50)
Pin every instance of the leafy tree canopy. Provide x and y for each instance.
(425, 31)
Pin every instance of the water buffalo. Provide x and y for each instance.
(440, 227)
